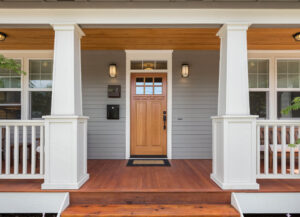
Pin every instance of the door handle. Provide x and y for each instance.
(165, 119)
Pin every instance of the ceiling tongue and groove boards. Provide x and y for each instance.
(149, 38)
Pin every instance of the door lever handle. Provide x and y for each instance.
(165, 119)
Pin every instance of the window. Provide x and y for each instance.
(259, 87)
(28, 95)
(288, 85)
(40, 84)
(149, 86)
(274, 81)
(10, 94)
(149, 65)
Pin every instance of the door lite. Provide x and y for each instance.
(148, 114)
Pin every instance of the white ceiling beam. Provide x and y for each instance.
(149, 16)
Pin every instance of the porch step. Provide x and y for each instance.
(107, 198)
(151, 210)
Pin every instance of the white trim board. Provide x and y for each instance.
(149, 55)
(149, 16)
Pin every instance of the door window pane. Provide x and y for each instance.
(258, 73)
(161, 65)
(149, 81)
(157, 90)
(288, 73)
(139, 81)
(136, 65)
(259, 104)
(139, 90)
(40, 104)
(148, 65)
(157, 81)
(149, 90)
(9, 78)
(285, 99)
(40, 73)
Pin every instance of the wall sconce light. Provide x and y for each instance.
(2, 36)
(112, 70)
(297, 36)
(185, 70)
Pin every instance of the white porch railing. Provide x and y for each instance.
(275, 157)
(22, 149)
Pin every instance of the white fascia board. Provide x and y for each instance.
(149, 16)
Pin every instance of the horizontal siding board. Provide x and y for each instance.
(106, 138)
(194, 102)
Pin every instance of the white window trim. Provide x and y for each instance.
(273, 56)
(25, 56)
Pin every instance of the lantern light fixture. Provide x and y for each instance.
(297, 36)
(112, 70)
(2, 36)
(185, 70)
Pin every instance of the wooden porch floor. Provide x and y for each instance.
(182, 176)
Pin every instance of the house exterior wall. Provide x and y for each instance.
(194, 102)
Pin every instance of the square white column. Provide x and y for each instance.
(234, 134)
(66, 128)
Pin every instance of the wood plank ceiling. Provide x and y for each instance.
(150, 38)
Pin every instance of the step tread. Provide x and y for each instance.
(151, 210)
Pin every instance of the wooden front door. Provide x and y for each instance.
(148, 114)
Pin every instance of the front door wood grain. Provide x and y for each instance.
(148, 104)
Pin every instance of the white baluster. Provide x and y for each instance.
(283, 150)
(292, 150)
(16, 150)
(24, 150)
(7, 150)
(266, 151)
(33, 150)
(41, 150)
(274, 150)
(0, 150)
(258, 149)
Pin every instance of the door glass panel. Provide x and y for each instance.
(139, 81)
(136, 65)
(157, 90)
(157, 81)
(148, 65)
(139, 90)
(149, 81)
(161, 65)
(149, 90)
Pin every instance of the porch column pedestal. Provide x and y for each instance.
(234, 129)
(66, 128)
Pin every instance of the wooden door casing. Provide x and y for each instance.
(147, 133)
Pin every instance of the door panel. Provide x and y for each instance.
(148, 102)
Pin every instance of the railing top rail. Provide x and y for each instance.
(22, 122)
(278, 122)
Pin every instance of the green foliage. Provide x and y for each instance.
(10, 64)
(294, 145)
(294, 106)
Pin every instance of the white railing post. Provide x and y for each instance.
(24, 149)
(283, 148)
(7, 150)
(16, 150)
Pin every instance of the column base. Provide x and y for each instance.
(234, 186)
(234, 152)
(65, 152)
(76, 185)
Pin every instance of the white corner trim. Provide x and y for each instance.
(150, 55)
(70, 185)
(234, 186)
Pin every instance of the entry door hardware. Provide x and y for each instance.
(165, 119)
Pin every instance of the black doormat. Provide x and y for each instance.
(148, 163)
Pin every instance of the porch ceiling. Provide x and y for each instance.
(149, 38)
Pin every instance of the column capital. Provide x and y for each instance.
(232, 27)
(68, 27)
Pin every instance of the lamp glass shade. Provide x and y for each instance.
(2, 36)
(185, 71)
(112, 70)
(297, 36)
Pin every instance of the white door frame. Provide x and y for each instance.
(149, 55)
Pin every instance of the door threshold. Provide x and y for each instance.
(148, 156)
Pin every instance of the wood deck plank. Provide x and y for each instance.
(195, 210)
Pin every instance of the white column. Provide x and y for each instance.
(234, 134)
(66, 128)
